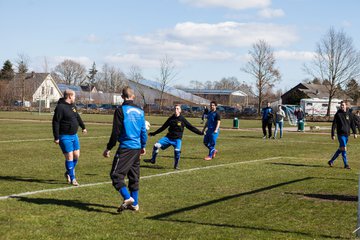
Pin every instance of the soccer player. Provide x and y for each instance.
(213, 127)
(176, 124)
(130, 131)
(343, 121)
(65, 124)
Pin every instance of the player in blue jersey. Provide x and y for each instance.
(130, 131)
(213, 127)
(176, 124)
(343, 122)
(65, 124)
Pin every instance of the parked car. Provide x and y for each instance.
(197, 108)
(220, 109)
(80, 106)
(91, 106)
(229, 109)
(249, 111)
(185, 108)
(104, 107)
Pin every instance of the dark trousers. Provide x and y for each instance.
(268, 124)
(126, 163)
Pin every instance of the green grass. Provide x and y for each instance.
(290, 193)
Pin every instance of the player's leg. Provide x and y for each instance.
(281, 125)
(122, 163)
(177, 152)
(66, 145)
(263, 125)
(134, 175)
(337, 153)
(343, 143)
(269, 126)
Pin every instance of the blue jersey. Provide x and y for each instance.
(212, 119)
(128, 127)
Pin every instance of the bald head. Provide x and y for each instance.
(128, 93)
(69, 96)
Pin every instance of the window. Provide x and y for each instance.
(308, 104)
(42, 90)
(324, 105)
(51, 91)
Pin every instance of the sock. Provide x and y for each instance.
(343, 153)
(124, 193)
(155, 152)
(211, 152)
(75, 162)
(176, 158)
(337, 153)
(70, 169)
(135, 196)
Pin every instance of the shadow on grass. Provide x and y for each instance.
(89, 207)
(152, 166)
(182, 157)
(204, 204)
(299, 164)
(166, 215)
(266, 229)
(327, 197)
(28, 179)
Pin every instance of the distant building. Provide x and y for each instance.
(148, 92)
(35, 88)
(308, 90)
(224, 97)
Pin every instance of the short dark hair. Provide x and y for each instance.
(213, 102)
(127, 92)
(68, 93)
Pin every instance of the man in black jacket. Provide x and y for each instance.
(176, 124)
(65, 124)
(343, 121)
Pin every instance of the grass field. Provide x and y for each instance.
(254, 189)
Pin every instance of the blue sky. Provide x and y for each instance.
(208, 39)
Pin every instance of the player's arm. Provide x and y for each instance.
(333, 126)
(56, 123)
(162, 128)
(116, 129)
(81, 123)
(218, 120)
(191, 127)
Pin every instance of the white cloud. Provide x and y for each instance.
(232, 4)
(271, 13)
(92, 38)
(346, 23)
(232, 34)
(132, 59)
(294, 55)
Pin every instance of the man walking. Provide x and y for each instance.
(65, 124)
(213, 128)
(267, 120)
(343, 121)
(176, 124)
(130, 131)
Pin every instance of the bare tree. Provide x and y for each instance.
(135, 74)
(23, 67)
(71, 72)
(262, 67)
(167, 75)
(336, 61)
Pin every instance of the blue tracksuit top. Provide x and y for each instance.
(128, 127)
(265, 113)
(212, 119)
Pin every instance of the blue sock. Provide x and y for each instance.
(343, 153)
(135, 196)
(75, 162)
(176, 158)
(211, 152)
(70, 169)
(124, 193)
(337, 153)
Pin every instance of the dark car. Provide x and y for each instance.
(197, 108)
(229, 109)
(249, 111)
(91, 106)
(80, 106)
(104, 107)
(185, 108)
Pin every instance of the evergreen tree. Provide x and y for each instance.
(7, 72)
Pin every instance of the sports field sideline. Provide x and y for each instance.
(254, 189)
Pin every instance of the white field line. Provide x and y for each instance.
(189, 136)
(144, 177)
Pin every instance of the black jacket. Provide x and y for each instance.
(176, 127)
(66, 119)
(343, 121)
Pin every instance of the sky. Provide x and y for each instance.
(207, 39)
